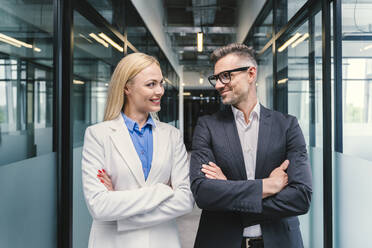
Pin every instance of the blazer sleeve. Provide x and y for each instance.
(107, 205)
(219, 195)
(295, 198)
(179, 204)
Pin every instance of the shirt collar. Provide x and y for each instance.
(131, 124)
(238, 114)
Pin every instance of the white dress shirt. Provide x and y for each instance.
(248, 135)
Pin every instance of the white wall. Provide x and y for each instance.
(248, 12)
(152, 13)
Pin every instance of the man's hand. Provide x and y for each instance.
(212, 171)
(276, 182)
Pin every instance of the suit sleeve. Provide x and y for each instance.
(107, 205)
(179, 204)
(219, 195)
(294, 199)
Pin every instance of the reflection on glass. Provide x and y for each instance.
(286, 9)
(95, 55)
(263, 33)
(352, 169)
(357, 78)
(265, 78)
(26, 80)
(300, 73)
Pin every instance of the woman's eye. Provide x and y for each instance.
(152, 84)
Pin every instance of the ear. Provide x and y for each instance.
(127, 90)
(252, 74)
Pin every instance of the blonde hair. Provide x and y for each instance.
(126, 70)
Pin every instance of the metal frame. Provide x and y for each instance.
(327, 125)
(337, 54)
(63, 53)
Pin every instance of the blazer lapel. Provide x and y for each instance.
(124, 145)
(155, 152)
(264, 134)
(232, 136)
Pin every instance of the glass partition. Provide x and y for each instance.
(28, 173)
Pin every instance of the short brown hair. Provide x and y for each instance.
(234, 48)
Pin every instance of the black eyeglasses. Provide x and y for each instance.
(225, 76)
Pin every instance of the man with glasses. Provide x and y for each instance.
(249, 169)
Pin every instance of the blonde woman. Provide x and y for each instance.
(135, 168)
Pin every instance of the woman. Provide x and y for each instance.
(143, 180)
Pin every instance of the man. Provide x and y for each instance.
(249, 166)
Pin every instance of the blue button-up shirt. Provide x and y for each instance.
(142, 141)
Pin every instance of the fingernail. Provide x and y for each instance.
(102, 181)
(99, 171)
(99, 175)
(103, 170)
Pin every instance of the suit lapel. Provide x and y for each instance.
(264, 134)
(232, 136)
(124, 145)
(155, 152)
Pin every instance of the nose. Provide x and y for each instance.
(219, 84)
(159, 90)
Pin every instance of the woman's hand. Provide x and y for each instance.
(105, 179)
(212, 171)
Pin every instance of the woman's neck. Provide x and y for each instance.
(138, 117)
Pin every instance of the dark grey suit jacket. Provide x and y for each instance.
(229, 206)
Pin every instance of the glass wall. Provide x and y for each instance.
(30, 170)
(28, 186)
(353, 166)
(294, 70)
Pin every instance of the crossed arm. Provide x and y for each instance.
(137, 208)
(257, 199)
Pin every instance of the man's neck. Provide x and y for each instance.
(247, 107)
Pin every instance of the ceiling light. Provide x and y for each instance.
(201, 80)
(186, 93)
(78, 82)
(288, 42)
(99, 40)
(366, 47)
(13, 41)
(200, 41)
(36, 49)
(9, 42)
(112, 43)
(304, 37)
(282, 81)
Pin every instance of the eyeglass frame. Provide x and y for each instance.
(217, 77)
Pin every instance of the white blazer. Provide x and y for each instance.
(139, 213)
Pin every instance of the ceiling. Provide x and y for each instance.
(217, 19)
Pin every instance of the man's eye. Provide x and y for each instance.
(225, 75)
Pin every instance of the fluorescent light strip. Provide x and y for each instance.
(187, 93)
(10, 39)
(111, 42)
(9, 42)
(304, 37)
(201, 80)
(282, 81)
(36, 49)
(366, 47)
(99, 40)
(288, 42)
(78, 82)
(200, 41)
